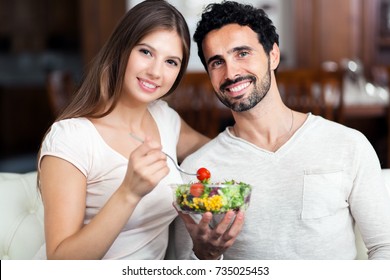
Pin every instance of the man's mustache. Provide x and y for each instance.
(229, 82)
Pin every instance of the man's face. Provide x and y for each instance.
(239, 68)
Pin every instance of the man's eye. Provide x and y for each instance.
(216, 63)
(243, 54)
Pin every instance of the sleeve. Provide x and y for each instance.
(69, 141)
(370, 203)
(181, 241)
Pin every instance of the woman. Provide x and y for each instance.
(105, 193)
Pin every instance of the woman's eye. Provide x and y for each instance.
(146, 52)
(172, 62)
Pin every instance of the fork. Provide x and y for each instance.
(168, 156)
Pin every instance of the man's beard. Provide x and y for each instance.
(258, 93)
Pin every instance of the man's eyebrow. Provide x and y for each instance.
(233, 50)
(240, 48)
(215, 57)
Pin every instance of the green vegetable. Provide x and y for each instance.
(222, 197)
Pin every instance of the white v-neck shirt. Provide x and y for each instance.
(145, 235)
(306, 196)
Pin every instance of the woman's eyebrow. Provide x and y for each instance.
(154, 49)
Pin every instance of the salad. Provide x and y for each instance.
(203, 196)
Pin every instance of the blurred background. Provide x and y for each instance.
(47, 45)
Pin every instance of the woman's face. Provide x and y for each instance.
(153, 66)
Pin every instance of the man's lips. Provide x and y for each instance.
(238, 86)
(238, 89)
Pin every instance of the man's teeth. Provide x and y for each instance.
(239, 87)
(148, 85)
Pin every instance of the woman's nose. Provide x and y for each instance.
(155, 69)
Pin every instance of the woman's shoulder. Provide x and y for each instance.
(71, 130)
(72, 125)
(161, 110)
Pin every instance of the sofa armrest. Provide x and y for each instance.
(21, 216)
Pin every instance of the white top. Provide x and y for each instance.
(145, 236)
(306, 196)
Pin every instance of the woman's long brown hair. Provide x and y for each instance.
(103, 83)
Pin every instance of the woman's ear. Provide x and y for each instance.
(274, 57)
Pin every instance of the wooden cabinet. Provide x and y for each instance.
(98, 20)
(39, 25)
(331, 30)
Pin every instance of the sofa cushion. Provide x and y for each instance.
(21, 216)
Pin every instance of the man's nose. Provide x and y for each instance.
(232, 70)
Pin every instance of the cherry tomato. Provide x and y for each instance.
(203, 174)
(196, 189)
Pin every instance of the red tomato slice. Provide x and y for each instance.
(203, 174)
(196, 189)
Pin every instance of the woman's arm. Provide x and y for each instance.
(189, 141)
(64, 188)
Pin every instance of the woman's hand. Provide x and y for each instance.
(147, 166)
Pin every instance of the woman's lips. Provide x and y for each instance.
(147, 86)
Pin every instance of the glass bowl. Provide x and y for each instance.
(212, 197)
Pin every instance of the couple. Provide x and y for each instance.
(105, 194)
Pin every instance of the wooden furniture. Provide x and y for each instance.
(310, 90)
(98, 19)
(60, 87)
(332, 30)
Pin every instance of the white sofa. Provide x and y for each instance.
(21, 217)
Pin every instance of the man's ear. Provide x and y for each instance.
(274, 57)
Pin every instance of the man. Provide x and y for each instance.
(312, 178)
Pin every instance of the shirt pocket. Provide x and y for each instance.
(322, 193)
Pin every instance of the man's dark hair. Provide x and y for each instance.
(217, 15)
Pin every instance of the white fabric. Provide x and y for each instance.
(306, 196)
(21, 216)
(145, 236)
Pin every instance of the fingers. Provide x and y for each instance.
(204, 224)
(148, 151)
(147, 166)
(148, 161)
(210, 243)
(224, 225)
(231, 233)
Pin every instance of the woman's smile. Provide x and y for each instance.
(147, 85)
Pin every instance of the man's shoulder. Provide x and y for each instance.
(324, 129)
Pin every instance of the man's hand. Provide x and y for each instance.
(210, 243)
